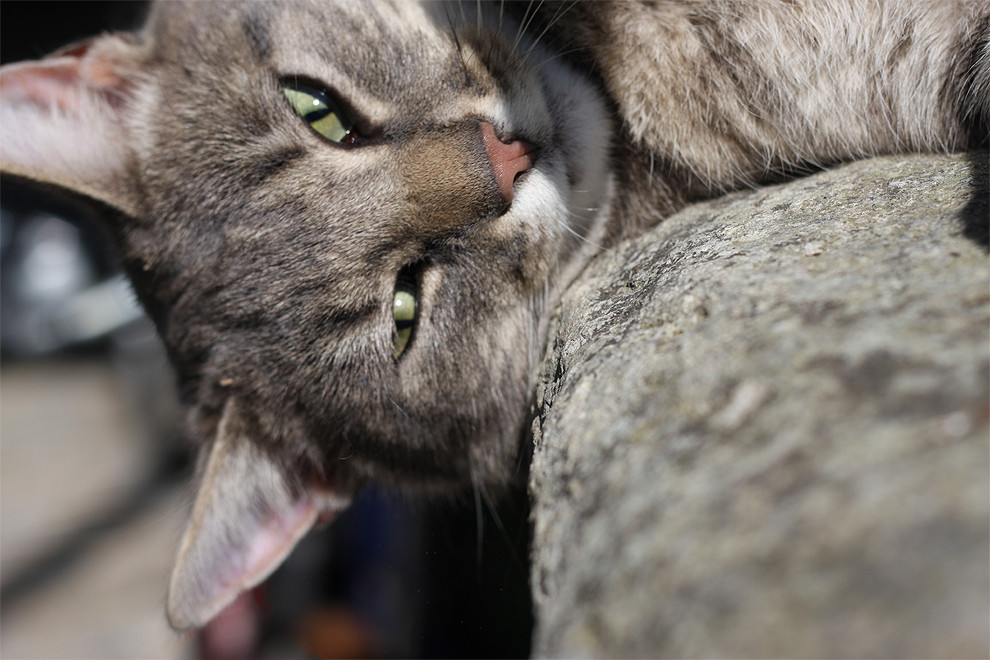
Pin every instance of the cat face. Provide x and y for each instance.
(275, 253)
(348, 223)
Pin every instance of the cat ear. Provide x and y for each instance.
(63, 119)
(245, 521)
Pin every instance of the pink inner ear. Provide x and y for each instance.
(273, 541)
(241, 563)
(61, 80)
(63, 120)
(43, 84)
(221, 562)
(248, 516)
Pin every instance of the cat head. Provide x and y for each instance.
(347, 222)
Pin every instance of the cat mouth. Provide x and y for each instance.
(328, 505)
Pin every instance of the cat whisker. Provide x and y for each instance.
(519, 28)
(498, 30)
(552, 285)
(397, 406)
(524, 24)
(453, 30)
(493, 512)
(558, 54)
(561, 10)
(478, 514)
(573, 232)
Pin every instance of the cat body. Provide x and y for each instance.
(476, 157)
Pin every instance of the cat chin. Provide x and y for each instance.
(583, 133)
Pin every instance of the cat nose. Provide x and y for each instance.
(508, 159)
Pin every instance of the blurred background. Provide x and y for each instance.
(94, 472)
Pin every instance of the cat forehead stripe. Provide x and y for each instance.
(255, 23)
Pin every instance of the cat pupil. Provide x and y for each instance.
(318, 110)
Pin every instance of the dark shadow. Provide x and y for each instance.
(35, 29)
(975, 216)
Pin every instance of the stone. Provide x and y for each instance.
(762, 429)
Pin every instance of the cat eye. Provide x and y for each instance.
(404, 305)
(318, 109)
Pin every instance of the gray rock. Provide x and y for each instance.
(762, 429)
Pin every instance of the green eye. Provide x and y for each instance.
(404, 314)
(319, 111)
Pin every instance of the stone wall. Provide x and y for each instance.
(763, 428)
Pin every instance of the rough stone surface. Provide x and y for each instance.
(762, 429)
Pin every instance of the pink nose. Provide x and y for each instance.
(508, 160)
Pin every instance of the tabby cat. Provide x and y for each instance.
(350, 221)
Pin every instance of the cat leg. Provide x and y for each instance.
(720, 95)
